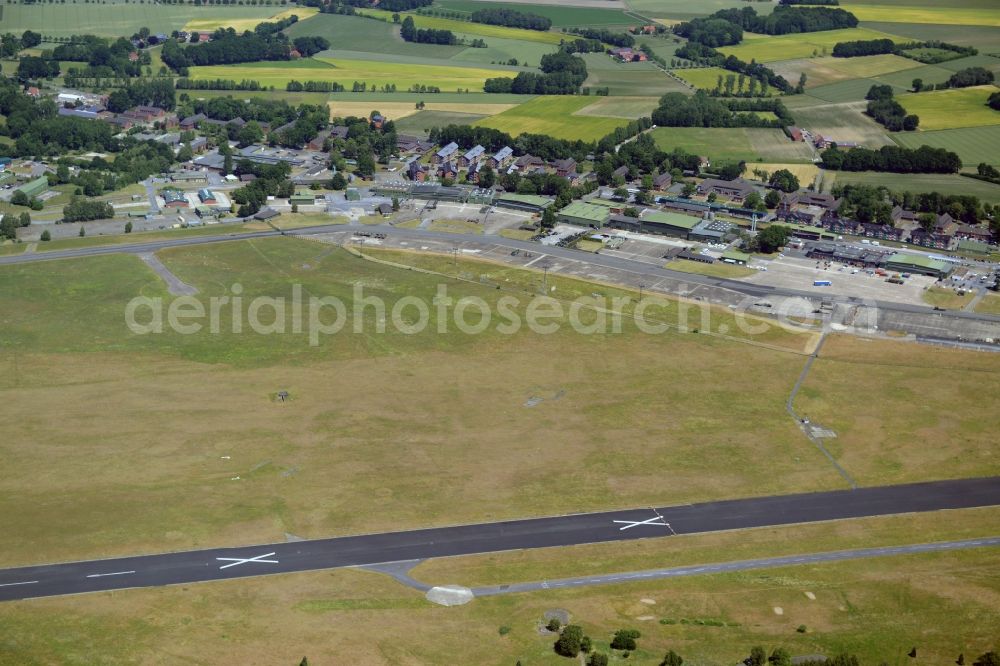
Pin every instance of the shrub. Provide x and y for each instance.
(553, 625)
(569, 641)
(625, 639)
(46, 236)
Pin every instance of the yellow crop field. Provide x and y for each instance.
(478, 29)
(241, 24)
(806, 173)
(943, 14)
(554, 116)
(397, 110)
(768, 48)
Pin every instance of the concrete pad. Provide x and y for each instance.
(450, 595)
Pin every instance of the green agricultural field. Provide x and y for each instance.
(630, 108)
(561, 16)
(473, 98)
(733, 144)
(707, 78)
(527, 54)
(554, 116)
(973, 144)
(949, 109)
(345, 72)
(469, 28)
(870, 66)
(818, 71)
(921, 182)
(767, 48)
(929, 74)
(985, 38)
(116, 19)
(423, 122)
(850, 90)
(642, 79)
(845, 122)
(989, 62)
(356, 33)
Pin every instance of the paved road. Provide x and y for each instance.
(727, 567)
(228, 563)
(647, 271)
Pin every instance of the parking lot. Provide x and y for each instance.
(800, 273)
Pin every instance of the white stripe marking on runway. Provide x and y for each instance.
(114, 573)
(26, 582)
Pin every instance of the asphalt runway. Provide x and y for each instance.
(229, 563)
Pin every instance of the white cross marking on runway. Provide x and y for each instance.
(239, 560)
(629, 524)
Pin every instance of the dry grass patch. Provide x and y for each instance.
(947, 298)
(927, 412)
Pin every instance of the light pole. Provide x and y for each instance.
(641, 287)
(545, 277)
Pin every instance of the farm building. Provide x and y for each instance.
(917, 263)
(584, 214)
(34, 187)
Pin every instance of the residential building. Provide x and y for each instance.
(445, 153)
(737, 189)
(564, 167)
(501, 157)
(662, 182)
(474, 155)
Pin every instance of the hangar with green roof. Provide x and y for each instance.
(917, 263)
(584, 214)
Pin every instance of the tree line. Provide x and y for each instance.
(620, 39)
(725, 27)
(701, 110)
(410, 33)
(709, 56)
(562, 74)
(511, 19)
(887, 111)
(265, 42)
(892, 159)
